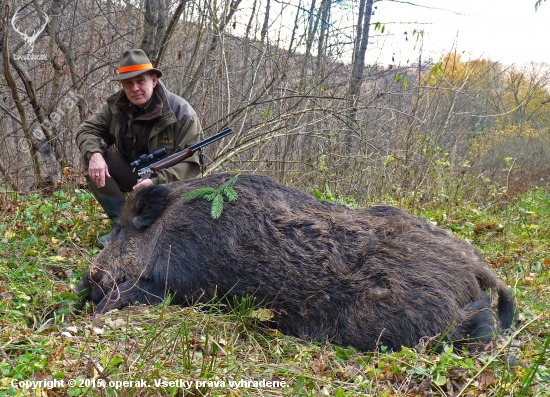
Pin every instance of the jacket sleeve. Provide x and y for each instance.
(188, 134)
(93, 135)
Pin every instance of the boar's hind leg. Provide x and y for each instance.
(137, 291)
(478, 327)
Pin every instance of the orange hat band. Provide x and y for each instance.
(135, 68)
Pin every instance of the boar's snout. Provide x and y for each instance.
(84, 283)
(91, 281)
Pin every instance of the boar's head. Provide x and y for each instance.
(132, 245)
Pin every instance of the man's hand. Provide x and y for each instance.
(143, 183)
(98, 170)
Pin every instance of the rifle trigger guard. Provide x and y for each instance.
(146, 175)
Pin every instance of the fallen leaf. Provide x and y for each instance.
(319, 364)
(486, 378)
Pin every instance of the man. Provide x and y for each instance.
(140, 118)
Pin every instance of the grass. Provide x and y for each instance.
(48, 334)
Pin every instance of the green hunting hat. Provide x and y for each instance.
(134, 63)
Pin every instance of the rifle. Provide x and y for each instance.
(148, 169)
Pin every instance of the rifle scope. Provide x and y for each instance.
(146, 159)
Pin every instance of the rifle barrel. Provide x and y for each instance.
(223, 132)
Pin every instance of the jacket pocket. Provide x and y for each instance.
(166, 140)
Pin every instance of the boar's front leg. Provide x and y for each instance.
(136, 291)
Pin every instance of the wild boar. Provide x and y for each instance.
(364, 278)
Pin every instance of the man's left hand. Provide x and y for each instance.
(143, 183)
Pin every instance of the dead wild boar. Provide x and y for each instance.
(328, 272)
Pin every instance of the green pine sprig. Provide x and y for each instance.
(215, 195)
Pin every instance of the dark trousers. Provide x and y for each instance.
(119, 168)
(122, 179)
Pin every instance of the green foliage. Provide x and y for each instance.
(336, 197)
(379, 27)
(543, 373)
(344, 354)
(436, 71)
(215, 195)
(399, 79)
(206, 193)
(419, 34)
(266, 113)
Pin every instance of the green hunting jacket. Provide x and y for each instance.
(177, 128)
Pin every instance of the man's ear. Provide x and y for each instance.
(154, 78)
(149, 204)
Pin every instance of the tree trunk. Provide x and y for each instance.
(168, 34)
(155, 26)
(249, 25)
(49, 140)
(358, 67)
(213, 44)
(55, 62)
(321, 56)
(265, 26)
(312, 28)
(32, 144)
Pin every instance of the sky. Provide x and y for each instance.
(507, 31)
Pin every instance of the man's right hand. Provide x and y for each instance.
(98, 170)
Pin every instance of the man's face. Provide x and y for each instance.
(139, 89)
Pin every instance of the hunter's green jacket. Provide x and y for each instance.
(177, 128)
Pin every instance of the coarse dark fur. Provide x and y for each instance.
(354, 277)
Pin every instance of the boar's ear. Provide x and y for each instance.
(149, 205)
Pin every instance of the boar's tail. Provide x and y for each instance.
(506, 306)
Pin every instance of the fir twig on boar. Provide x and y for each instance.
(354, 277)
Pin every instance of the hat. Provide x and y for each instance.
(134, 63)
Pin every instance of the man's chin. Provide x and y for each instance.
(138, 102)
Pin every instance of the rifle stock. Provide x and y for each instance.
(178, 158)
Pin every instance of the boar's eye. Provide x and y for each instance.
(148, 205)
